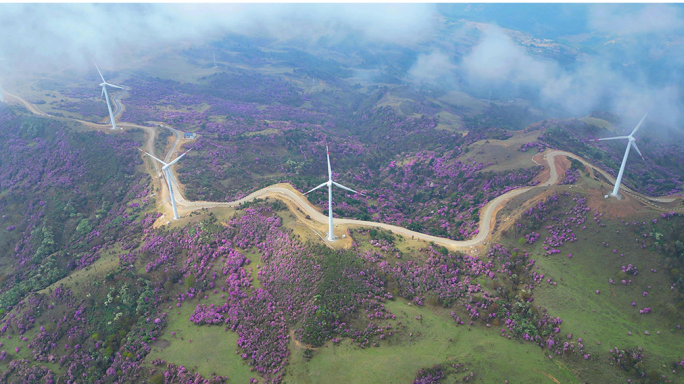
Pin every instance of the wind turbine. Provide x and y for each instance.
(631, 143)
(106, 96)
(330, 183)
(167, 175)
(215, 65)
(313, 82)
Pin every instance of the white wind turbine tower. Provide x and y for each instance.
(167, 175)
(631, 143)
(106, 96)
(330, 183)
(215, 65)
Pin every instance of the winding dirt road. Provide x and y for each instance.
(290, 194)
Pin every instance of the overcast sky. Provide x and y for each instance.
(38, 38)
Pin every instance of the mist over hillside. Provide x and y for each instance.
(564, 58)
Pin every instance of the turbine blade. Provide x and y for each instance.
(613, 138)
(178, 158)
(322, 185)
(98, 71)
(327, 153)
(638, 125)
(152, 157)
(343, 187)
(116, 86)
(102, 93)
(638, 151)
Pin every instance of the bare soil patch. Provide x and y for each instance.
(161, 343)
(611, 207)
(562, 164)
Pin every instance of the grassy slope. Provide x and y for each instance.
(598, 122)
(608, 316)
(212, 349)
(493, 358)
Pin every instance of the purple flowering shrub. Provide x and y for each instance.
(571, 176)
(429, 375)
(68, 196)
(88, 342)
(502, 117)
(91, 110)
(300, 286)
(444, 276)
(192, 106)
(307, 291)
(229, 161)
(513, 283)
(678, 363)
(663, 235)
(430, 191)
(539, 146)
(20, 368)
(174, 374)
(344, 287)
(439, 372)
(561, 225)
(629, 359)
(440, 277)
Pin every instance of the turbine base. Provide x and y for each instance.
(618, 196)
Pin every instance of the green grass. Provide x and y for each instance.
(212, 349)
(474, 105)
(8, 346)
(254, 257)
(597, 122)
(493, 358)
(608, 317)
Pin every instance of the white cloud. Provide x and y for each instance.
(635, 19)
(431, 67)
(47, 36)
(497, 60)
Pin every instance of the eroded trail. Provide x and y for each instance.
(289, 193)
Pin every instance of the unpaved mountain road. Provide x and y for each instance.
(289, 193)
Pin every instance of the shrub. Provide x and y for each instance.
(190, 281)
